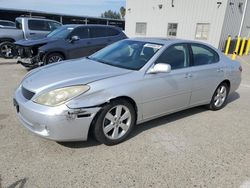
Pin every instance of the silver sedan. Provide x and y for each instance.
(127, 83)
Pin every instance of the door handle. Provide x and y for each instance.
(188, 75)
(32, 33)
(88, 42)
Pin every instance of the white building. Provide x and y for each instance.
(208, 20)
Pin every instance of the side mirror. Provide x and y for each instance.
(160, 68)
(74, 38)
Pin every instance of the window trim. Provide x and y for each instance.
(206, 47)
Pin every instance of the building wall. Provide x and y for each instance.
(232, 21)
(187, 13)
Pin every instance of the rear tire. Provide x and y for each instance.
(219, 99)
(53, 58)
(8, 50)
(114, 122)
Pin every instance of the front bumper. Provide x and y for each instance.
(29, 58)
(55, 123)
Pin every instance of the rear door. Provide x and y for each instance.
(207, 72)
(98, 38)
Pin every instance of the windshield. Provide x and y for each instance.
(127, 54)
(60, 33)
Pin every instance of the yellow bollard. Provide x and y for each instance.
(236, 49)
(242, 46)
(228, 45)
(248, 47)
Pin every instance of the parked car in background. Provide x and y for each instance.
(7, 23)
(67, 42)
(25, 28)
(129, 82)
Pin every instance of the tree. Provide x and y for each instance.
(122, 12)
(111, 14)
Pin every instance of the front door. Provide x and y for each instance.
(79, 48)
(168, 92)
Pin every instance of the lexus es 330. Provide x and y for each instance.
(126, 83)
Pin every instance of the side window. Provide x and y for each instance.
(53, 25)
(81, 32)
(38, 25)
(112, 32)
(203, 55)
(177, 56)
(97, 32)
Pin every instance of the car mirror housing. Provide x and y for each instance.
(74, 38)
(159, 68)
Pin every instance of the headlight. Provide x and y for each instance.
(60, 96)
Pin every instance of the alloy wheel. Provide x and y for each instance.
(54, 59)
(220, 97)
(117, 122)
(7, 51)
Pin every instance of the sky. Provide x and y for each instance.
(73, 7)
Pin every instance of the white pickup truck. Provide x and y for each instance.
(26, 28)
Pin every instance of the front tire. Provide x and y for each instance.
(115, 122)
(219, 98)
(8, 50)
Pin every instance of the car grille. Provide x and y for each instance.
(27, 94)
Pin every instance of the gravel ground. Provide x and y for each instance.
(193, 148)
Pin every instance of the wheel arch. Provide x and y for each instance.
(226, 81)
(6, 40)
(55, 52)
(129, 99)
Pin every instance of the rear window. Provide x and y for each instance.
(203, 55)
(97, 32)
(38, 25)
(112, 32)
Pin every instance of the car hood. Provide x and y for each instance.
(68, 73)
(35, 42)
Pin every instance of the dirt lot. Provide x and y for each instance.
(193, 148)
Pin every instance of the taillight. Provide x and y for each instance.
(240, 69)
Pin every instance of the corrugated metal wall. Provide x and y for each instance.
(232, 21)
(187, 13)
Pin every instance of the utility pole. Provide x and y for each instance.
(243, 17)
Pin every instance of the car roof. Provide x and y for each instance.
(168, 41)
(34, 18)
(89, 25)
